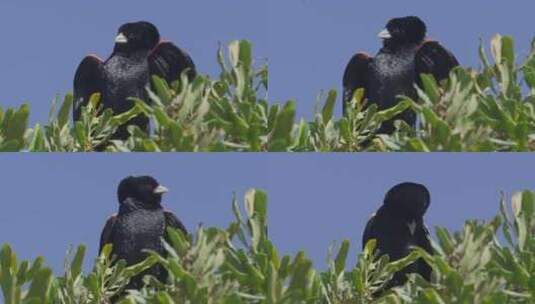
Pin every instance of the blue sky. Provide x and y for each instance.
(53, 201)
(311, 41)
(43, 43)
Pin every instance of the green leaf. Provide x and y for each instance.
(162, 89)
(430, 87)
(80, 134)
(280, 137)
(38, 140)
(76, 264)
(65, 110)
(16, 124)
(328, 108)
(341, 257)
(508, 52)
(240, 52)
(40, 284)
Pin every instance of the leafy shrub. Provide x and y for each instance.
(485, 262)
(473, 111)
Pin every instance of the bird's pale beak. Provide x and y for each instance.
(121, 38)
(385, 34)
(160, 189)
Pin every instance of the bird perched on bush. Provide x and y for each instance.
(398, 226)
(140, 224)
(138, 54)
(405, 55)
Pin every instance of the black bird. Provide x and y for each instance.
(140, 224)
(398, 226)
(138, 54)
(405, 55)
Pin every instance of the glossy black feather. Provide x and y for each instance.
(172, 221)
(392, 74)
(396, 68)
(168, 61)
(89, 79)
(355, 76)
(107, 232)
(432, 58)
(140, 225)
(404, 205)
(126, 73)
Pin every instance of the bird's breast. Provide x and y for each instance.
(125, 78)
(136, 231)
(391, 75)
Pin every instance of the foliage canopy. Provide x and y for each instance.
(486, 262)
(488, 110)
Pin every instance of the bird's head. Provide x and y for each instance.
(143, 189)
(409, 200)
(136, 36)
(403, 31)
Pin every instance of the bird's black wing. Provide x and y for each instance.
(355, 76)
(390, 232)
(168, 61)
(424, 241)
(172, 221)
(368, 231)
(392, 239)
(89, 79)
(432, 58)
(106, 235)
